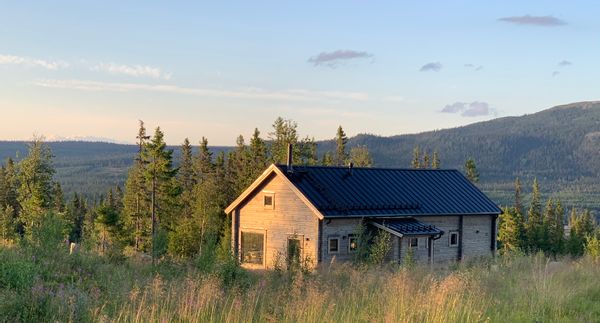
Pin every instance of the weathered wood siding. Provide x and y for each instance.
(477, 236)
(338, 228)
(289, 217)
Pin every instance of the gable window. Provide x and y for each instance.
(413, 242)
(453, 239)
(253, 248)
(269, 201)
(352, 243)
(333, 245)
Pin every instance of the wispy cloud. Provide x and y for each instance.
(544, 21)
(132, 70)
(245, 93)
(335, 58)
(27, 61)
(564, 63)
(474, 67)
(433, 66)
(473, 109)
(555, 73)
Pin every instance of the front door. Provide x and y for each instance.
(294, 251)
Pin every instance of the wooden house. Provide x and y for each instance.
(302, 213)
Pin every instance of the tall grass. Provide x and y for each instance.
(86, 287)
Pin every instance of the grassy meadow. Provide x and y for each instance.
(40, 285)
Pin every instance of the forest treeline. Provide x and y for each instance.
(162, 209)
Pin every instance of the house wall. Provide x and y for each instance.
(420, 253)
(290, 216)
(477, 236)
(338, 228)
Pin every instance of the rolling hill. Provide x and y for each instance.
(559, 146)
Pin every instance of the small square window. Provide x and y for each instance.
(352, 243)
(413, 242)
(453, 239)
(334, 244)
(269, 201)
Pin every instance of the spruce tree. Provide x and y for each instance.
(416, 161)
(8, 228)
(557, 233)
(36, 186)
(534, 219)
(59, 199)
(186, 178)
(160, 177)
(258, 155)
(548, 227)
(435, 160)
(518, 199)
(136, 202)
(203, 163)
(341, 140)
(284, 133)
(425, 164)
(511, 230)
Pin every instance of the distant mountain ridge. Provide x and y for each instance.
(560, 146)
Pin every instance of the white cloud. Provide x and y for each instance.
(245, 93)
(26, 61)
(132, 70)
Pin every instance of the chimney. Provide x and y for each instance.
(290, 158)
(350, 166)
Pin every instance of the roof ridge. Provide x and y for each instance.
(373, 168)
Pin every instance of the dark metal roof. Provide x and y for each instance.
(408, 226)
(384, 192)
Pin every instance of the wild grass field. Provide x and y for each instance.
(38, 284)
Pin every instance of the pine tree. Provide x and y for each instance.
(361, 157)
(534, 222)
(238, 167)
(341, 140)
(416, 161)
(435, 160)
(471, 171)
(35, 178)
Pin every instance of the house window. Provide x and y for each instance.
(253, 248)
(352, 243)
(269, 201)
(453, 239)
(334, 245)
(413, 242)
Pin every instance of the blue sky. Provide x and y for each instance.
(83, 69)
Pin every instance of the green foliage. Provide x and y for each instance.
(381, 247)
(363, 238)
(511, 231)
(8, 227)
(471, 171)
(36, 186)
(409, 259)
(592, 246)
(361, 157)
(341, 140)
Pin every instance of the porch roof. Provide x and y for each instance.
(406, 227)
